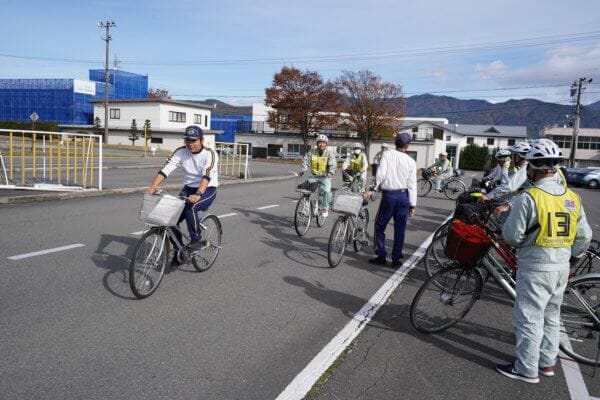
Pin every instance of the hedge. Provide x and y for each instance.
(474, 157)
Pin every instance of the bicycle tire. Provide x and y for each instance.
(588, 263)
(435, 255)
(320, 218)
(454, 188)
(212, 234)
(364, 226)
(443, 229)
(423, 187)
(302, 217)
(150, 254)
(450, 289)
(337, 241)
(581, 330)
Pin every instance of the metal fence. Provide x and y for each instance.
(39, 160)
(233, 159)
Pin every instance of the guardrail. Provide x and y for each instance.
(56, 161)
(233, 159)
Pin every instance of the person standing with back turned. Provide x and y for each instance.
(397, 180)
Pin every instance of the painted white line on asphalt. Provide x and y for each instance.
(295, 201)
(39, 253)
(575, 382)
(305, 380)
(293, 173)
(265, 207)
(226, 215)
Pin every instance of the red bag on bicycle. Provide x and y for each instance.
(466, 244)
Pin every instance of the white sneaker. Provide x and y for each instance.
(325, 213)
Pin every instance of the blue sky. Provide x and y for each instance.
(200, 49)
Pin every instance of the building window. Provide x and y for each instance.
(470, 140)
(588, 142)
(198, 119)
(564, 142)
(511, 142)
(176, 116)
(490, 141)
(115, 113)
(415, 129)
(438, 133)
(448, 138)
(298, 149)
(157, 140)
(206, 121)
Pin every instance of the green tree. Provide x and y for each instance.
(474, 157)
(133, 132)
(147, 130)
(98, 126)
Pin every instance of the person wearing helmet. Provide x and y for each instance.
(356, 165)
(442, 170)
(548, 226)
(377, 158)
(500, 172)
(200, 182)
(321, 163)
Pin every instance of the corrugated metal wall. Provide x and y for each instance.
(230, 124)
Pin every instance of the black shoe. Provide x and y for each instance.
(396, 263)
(197, 244)
(175, 261)
(378, 261)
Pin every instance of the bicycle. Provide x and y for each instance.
(151, 254)
(352, 181)
(452, 187)
(308, 205)
(350, 227)
(454, 289)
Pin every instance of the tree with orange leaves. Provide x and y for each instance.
(303, 102)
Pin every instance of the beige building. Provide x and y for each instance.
(587, 153)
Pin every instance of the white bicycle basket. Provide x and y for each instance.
(162, 209)
(347, 202)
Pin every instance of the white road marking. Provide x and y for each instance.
(293, 173)
(138, 233)
(265, 207)
(295, 201)
(305, 380)
(39, 253)
(226, 215)
(575, 383)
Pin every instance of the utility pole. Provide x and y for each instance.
(107, 38)
(577, 88)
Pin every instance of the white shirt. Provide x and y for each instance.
(195, 166)
(397, 170)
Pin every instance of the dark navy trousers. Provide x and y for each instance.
(394, 203)
(191, 211)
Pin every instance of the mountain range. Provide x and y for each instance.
(532, 113)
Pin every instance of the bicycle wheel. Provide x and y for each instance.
(442, 229)
(454, 188)
(362, 225)
(212, 232)
(337, 241)
(320, 218)
(423, 187)
(148, 262)
(302, 216)
(445, 298)
(435, 255)
(580, 318)
(589, 262)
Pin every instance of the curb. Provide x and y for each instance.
(77, 195)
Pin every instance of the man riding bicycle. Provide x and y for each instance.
(442, 170)
(321, 162)
(356, 166)
(200, 181)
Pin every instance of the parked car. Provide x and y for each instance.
(589, 177)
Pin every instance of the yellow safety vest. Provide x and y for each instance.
(557, 217)
(357, 162)
(318, 163)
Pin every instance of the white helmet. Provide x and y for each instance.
(322, 138)
(521, 148)
(357, 146)
(502, 153)
(544, 154)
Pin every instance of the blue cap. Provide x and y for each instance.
(193, 132)
(402, 139)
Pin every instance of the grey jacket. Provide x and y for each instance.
(523, 217)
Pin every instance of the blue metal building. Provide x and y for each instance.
(230, 125)
(66, 101)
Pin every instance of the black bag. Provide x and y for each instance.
(472, 213)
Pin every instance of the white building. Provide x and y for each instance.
(588, 144)
(168, 119)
